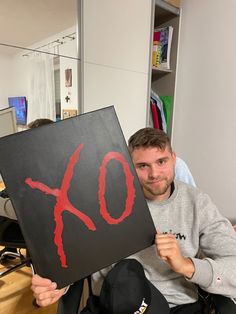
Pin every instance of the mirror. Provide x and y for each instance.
(39, 58)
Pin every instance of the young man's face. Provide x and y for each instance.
(155, 169)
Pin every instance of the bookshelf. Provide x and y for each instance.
(163, 81)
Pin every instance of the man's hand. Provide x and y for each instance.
(45, 291)
(168, 249)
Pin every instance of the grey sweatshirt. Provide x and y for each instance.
(199, 227)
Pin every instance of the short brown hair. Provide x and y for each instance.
(39, 122)
(149, 137)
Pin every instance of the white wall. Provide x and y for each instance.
(13, 79)
(5, 66)
(116, 58)
(205, 115)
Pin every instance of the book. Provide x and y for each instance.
(162, 39)
(76, 195)
(156, 54)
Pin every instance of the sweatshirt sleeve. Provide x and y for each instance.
(215, 272)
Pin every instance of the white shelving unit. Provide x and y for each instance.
(163, 82)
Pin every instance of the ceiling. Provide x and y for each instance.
(25, 22)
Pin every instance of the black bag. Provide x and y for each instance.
(92, 306)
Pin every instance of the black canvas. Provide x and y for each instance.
(126, 290)
(76, 195)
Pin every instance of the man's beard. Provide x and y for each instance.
(158, 190)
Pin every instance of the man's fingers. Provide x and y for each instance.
(40, 289)
(167, 245)
(47, 298)
(46, 302)
(164, 237)
(47, 295)
(45, 291)
(40, 281)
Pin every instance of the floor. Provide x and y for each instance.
(16, 296)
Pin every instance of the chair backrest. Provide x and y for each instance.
(10, 234)
(223, 305)
(12, 239)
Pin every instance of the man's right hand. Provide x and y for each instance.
(168, 249)
(45, 291)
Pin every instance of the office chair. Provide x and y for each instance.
(12, 240)
(11, 237)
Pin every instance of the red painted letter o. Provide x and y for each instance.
(102, 188)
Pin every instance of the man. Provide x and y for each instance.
(186, 221)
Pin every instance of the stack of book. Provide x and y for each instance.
(162, 39)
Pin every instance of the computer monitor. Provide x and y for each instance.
(7, 121)
(7, 126)
(20, 104)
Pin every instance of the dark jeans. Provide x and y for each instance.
(192, 308)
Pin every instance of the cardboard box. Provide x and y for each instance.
(176, 3)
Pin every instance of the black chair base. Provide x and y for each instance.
(6, 256)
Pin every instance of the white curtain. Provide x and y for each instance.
(41, 100)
